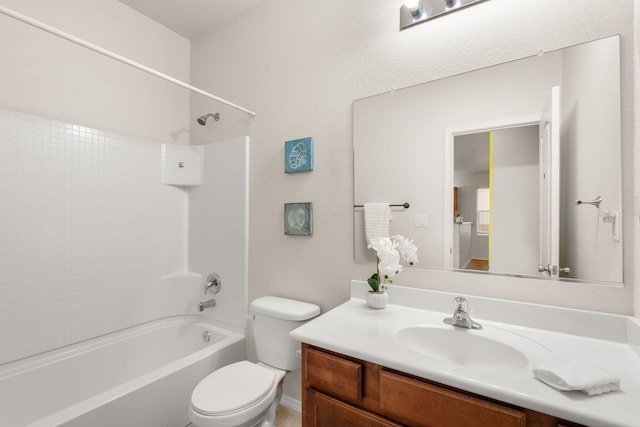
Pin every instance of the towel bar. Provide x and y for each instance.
(403, 205)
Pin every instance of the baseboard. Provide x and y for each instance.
(291, 403)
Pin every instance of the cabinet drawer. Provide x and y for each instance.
(325, 411)
(333, 375)
(418, 403)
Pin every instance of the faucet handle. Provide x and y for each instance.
(461, 316)
(461, 304)
(213, 284)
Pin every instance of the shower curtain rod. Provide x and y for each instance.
(51, 30)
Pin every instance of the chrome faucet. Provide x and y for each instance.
(206, 304)
(461, 316)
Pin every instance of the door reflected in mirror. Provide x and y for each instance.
(497, 222)
(532, 136)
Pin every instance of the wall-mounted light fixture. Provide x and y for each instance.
(417, 11)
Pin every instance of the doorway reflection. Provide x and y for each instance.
(496, 210)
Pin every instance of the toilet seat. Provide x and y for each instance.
(233, 388)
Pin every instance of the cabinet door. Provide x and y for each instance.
(418, 403)
(324, 411)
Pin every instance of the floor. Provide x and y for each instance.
(478, 264)
(285, 417)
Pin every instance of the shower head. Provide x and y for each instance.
(203, 119)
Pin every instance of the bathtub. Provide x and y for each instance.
(140, 377)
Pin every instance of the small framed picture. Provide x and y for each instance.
(298, 219)
(298, 155)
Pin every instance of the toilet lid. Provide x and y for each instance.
(232, 388)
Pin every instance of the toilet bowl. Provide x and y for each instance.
(246, 394)
(240, 394)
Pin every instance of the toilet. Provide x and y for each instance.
(246, 393)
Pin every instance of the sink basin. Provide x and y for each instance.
(480, 349)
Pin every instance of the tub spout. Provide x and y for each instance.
(206, 304)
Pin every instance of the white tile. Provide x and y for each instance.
(86, 230)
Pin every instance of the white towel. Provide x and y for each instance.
(575, 375)
(376, 220)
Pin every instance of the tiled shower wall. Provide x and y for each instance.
(91, 241)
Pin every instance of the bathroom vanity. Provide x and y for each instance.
(338, 390)
(403, 366)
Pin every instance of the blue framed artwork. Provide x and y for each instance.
(298, 155)
(298, 219)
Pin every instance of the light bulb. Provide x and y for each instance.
(413, 6)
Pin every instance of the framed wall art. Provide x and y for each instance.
(298, 219)
(298, 155)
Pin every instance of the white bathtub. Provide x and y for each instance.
(142, 377)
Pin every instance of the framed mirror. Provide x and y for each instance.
(493, 163)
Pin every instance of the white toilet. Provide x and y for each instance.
(245, 393)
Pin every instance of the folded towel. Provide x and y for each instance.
(376, 220)
(575, 375)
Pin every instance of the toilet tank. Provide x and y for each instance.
(273, 319)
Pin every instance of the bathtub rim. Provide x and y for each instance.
(18, 366)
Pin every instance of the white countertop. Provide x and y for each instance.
(607, 342)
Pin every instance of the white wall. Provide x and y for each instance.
(301, 64)
(46, 75)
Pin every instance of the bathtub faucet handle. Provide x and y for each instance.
(213, 284)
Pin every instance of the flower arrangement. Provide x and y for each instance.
(392, 254)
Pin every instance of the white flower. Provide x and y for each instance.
(390, 252)
(389, 264)
(381, 244)
(408, 251)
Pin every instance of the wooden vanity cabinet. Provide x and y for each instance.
(342, 391)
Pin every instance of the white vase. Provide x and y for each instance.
(377, 300)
